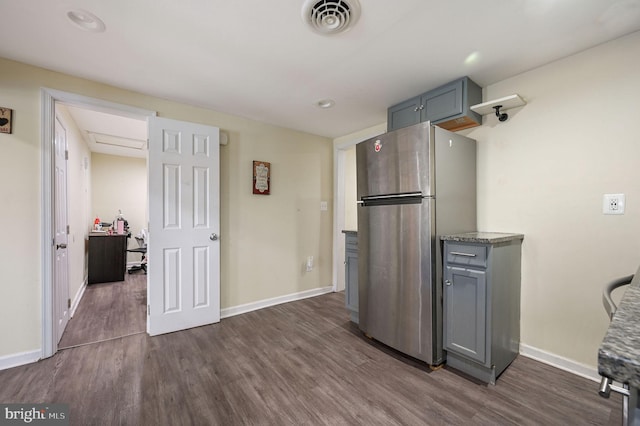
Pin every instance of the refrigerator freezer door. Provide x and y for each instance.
(397, 162)
(396, 277)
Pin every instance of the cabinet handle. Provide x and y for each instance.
(421, 107)
(457, 253)
(416, 109)
(447, 282)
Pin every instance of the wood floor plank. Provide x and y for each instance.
(300, 363)
(107, 311)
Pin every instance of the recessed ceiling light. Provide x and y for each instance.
(472, 58)
(325, 103)
(86, 20)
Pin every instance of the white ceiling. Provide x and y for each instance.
(110, 134)
(258, 59)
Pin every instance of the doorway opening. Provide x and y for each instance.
(183, 176)
(345, 212)
(107, 180)
(86, 122)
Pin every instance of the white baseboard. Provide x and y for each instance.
(78, 297)
(254, 306)
(560, 362)
(22, 358)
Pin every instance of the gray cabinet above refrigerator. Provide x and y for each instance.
(447, 106)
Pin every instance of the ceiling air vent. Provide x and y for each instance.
(330, 16)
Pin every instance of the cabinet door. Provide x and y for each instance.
(404, 114)
(107, 258)
(443, 102)
(465, 312)
(97, 253)
(351, 281)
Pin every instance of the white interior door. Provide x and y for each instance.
(183, 282)
(61, 261)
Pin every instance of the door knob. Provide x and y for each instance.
(213, 237)
(447, 282)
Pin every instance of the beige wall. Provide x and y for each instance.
(544, 172)
(120, 184)
(78, 201)
(264, 239)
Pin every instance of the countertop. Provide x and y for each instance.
(619, 353)
(483, 237)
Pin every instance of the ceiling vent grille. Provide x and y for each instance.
(330, 16)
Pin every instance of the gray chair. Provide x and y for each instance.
(606, 384)
(142, 249)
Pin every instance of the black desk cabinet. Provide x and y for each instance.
(107, 258)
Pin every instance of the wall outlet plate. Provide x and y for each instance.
(613, 204)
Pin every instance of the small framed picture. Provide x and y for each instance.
(5, 120)
(261, 177)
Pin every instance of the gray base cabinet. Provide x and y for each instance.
(351, 274)
(447, 106)
(481, 302)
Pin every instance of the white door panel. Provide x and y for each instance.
(61, 262)
(184, 261)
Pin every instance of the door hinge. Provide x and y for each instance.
(69, 303)
(148, 310)
(147, 144)
(68, 229)
(66, 155)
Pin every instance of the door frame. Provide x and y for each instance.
(340, 146)
(48, 98)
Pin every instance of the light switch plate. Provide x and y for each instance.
(323, 206)
(613, 204)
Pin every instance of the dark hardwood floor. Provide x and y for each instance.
(300, 363)
(109, 310)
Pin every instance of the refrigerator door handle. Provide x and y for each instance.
(387, 196)
(404, 198)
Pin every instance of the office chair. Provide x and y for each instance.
(142, 249)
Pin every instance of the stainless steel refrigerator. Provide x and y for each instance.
(414, 184)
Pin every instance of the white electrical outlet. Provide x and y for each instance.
(613, 204)
(309, 263)
(323, 206)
